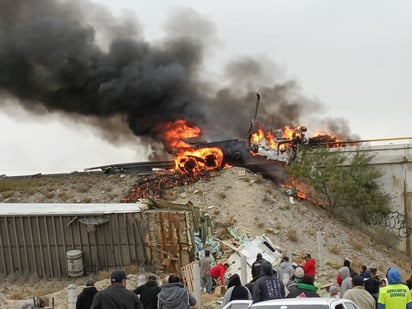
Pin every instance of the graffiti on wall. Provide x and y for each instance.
(395, 221)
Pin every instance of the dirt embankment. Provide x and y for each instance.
(233, 197)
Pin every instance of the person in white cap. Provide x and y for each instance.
(296, 279)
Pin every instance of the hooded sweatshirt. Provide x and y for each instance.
(267, 286)
(395, 295)
(148, 294)
(235, 291)
(285, 272)
(175, 296)
(344, 273)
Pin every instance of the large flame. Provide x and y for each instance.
(281, 140)
(186, 158)
(175, 132)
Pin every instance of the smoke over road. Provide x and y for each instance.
(74, 57)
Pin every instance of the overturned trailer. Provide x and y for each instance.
(61, 240)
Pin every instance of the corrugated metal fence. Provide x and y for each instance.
(38, 244)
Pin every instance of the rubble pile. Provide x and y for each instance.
(155, 184)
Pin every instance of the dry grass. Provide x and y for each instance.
(228, 222)
(292, 235)
(132, 269)
(221, 195)
(48, 194)
(259, 179)
(260, 225)
(169, 195)
(269, 189)
(103, 275)
(7, 194)
(278, 226)
(357, 246)
(83, 188)
(16, 295)
(311, 232)
(331, 264)
(63, 196)
(23, 183)
(335, 250)
(108, 189)
(385, 239)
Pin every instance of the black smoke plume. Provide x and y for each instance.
(75, 58)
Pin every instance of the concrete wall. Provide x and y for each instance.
(395, 161)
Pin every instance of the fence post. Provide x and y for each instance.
(71, 296)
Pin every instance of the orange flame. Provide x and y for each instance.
(295, 190)
(328, 139)
(269, 139)
(186, 158)
(174, 132)
(195, 160)
(280, 139)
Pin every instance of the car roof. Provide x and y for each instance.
(308, 300)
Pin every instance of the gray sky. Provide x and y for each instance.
(351, 56)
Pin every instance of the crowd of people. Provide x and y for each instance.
(288, 280)
(173, 295)
(291, 280)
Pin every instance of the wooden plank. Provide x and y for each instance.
(49, 255)
(9, 246)
(119, 241)
(128, 244)
(3, 253)
(56, 244)
(25, 249)
(63, 237)
(33, 246)
(17, 244)
(43, 265)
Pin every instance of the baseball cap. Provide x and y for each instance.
(118, 276)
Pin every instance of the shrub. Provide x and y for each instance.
(292, 234)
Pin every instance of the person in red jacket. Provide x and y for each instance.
(309, 266)
(218, 272)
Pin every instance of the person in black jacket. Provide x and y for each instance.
(256, 266)
(268, 286)
(85, 298)
(116, 296)
(148, 293)
(235, 290)
(372, 283)
(305, 288)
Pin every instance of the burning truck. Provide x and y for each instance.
(264, 151)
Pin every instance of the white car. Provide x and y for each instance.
(306, 303)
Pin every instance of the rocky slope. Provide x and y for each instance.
(232, 197)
